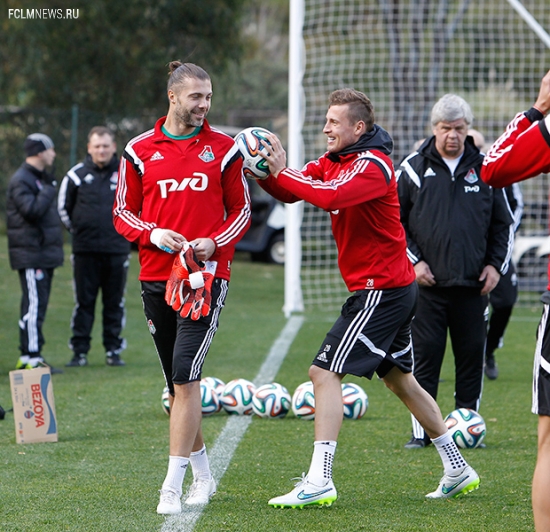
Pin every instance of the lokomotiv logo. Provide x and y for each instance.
(198, 183)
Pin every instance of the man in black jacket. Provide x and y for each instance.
(459, 239)
(35, 242)
(100, 255)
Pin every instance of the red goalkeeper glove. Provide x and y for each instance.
(208, 275)
(179, 277)
(199, 303)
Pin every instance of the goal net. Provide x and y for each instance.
(405, 54)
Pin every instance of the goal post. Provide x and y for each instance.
(405, 54)
(293, 211)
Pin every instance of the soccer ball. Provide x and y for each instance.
(467, 427)
(355, 401)
(216, 383)
(271, 401)
(303, 401)
(236, 397)
(165, 400)
(210, 402)
(248, 141)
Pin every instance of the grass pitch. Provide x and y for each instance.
(104, 473)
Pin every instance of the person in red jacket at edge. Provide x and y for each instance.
(521, 152)
(356, 183)
(181, 193)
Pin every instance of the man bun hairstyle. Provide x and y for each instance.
(449, 108)
(179, 73)
(360, 107)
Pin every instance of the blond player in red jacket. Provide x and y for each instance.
(181, 184)
(356, 183)
(523, 151)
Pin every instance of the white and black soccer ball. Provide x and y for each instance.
(271, 401)
(467, 428)
(248, 141)
(355, 400)
(216, 383)
(165, 400)
(303, 401)
(236, 397)
(210, 402)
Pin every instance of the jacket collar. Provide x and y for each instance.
(160, 136)
(377, 139)
(38, 173)
(111, 166)
(470, 155)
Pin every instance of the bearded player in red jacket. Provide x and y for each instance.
(523, 151)
(181, 193)
(355, 182)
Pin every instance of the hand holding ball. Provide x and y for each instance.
(249, 143)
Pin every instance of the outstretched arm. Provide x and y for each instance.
(523, 150)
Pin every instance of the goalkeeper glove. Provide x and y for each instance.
(194, 268)
(200, 300)
(208, 275)
(177, 286)
(199, 305)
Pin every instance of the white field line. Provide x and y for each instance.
(221, 453)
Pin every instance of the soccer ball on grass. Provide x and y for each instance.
(216, 383)
(165, 400)
(303, 401)
(210, 402)
(236, 397)
(355, 400)
(271, 401)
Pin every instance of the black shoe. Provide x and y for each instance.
(113, 359)
(53, 370)
(418, 443)
(491, 368)
(77, 361)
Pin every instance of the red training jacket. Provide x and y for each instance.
(194, 186)
(521, 152)
(360, 192)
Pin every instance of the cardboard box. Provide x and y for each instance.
(33, 405)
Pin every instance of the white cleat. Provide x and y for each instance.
(170, 503)
(454, 486)
(305, 494)
(200, 491)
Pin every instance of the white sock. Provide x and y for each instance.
(177, 465)
(453, 463)
(320, 470)
(200, 464)
(24, 359)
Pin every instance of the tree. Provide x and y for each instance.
(113, 58)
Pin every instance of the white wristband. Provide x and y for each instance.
(156, 236)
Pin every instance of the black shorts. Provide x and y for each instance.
(372, 333)
(541, 367)
(181, 343)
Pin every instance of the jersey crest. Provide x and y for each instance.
(471, 176)
(207, 155)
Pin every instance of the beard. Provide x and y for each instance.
(186, 117)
